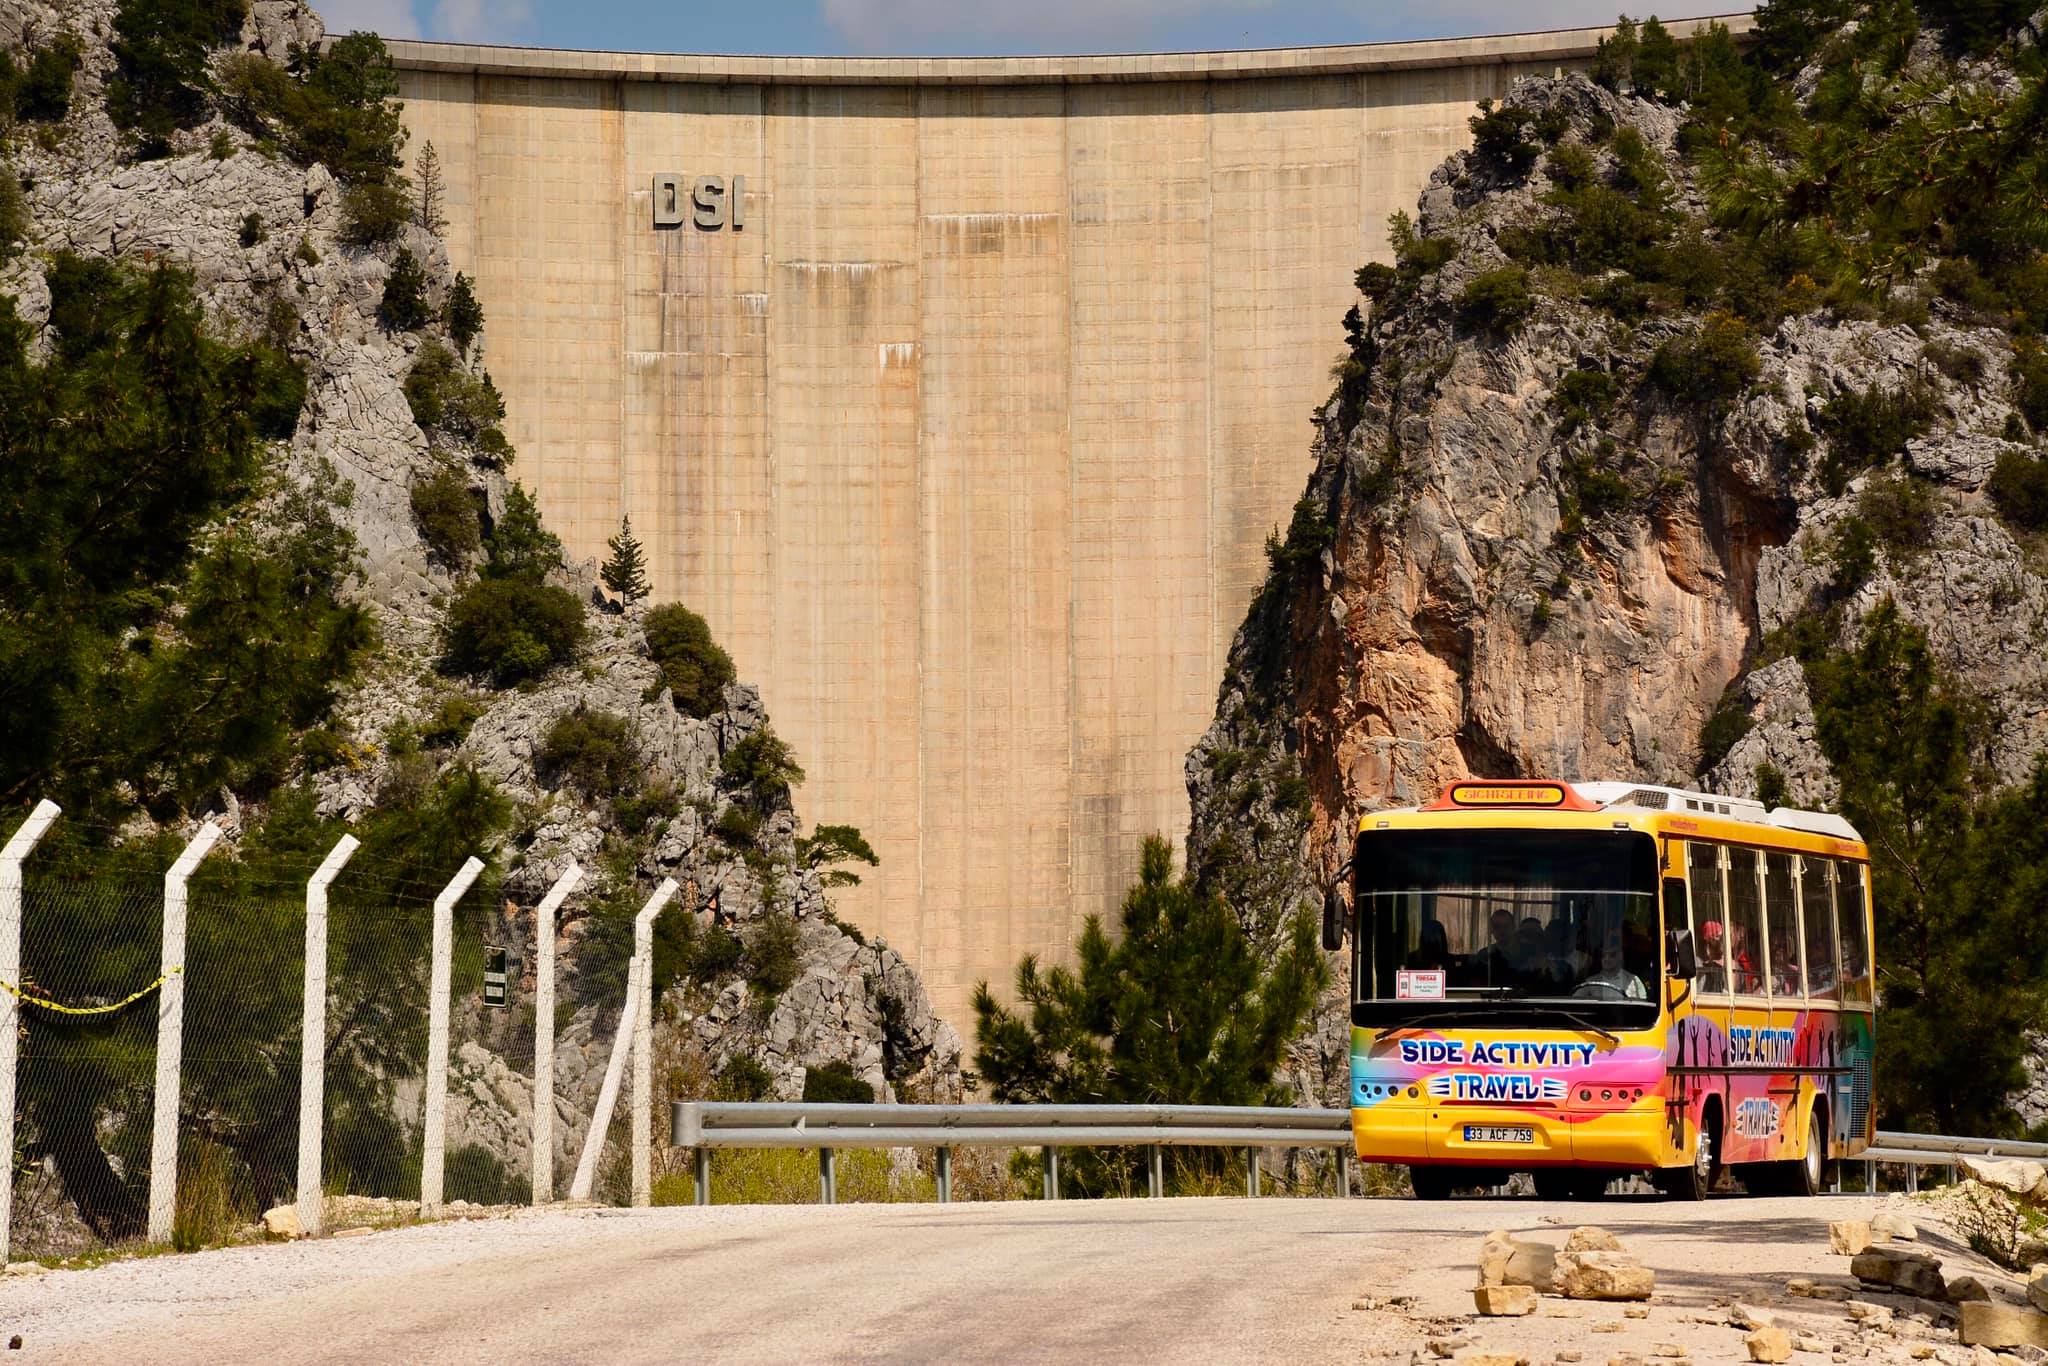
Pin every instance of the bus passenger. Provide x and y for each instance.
(1743, 957)
(1434, 953)
(1713, 973)
(1614, 980)
(1785, 976)
(1496, 966)
(1532, 964)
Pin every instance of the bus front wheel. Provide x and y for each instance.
(1694, 1181)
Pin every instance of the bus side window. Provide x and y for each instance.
(1817, 907)
(1786, 975)
(1849, 916)
(1710, 934)
(1745, 922)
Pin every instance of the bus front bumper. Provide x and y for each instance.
(1493, 1136)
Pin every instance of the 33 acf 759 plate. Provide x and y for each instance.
(1499, 1133)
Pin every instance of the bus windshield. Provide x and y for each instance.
(1514, 920)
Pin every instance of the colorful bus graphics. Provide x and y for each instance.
(1581, 981)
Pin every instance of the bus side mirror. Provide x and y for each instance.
(1334, 918)
(1678, 956)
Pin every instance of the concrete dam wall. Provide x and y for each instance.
(959, 395)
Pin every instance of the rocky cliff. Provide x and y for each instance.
(1572, 505)
(270, 252)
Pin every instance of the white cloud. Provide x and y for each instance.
(482, 21)
(914, 25)
(386, 18)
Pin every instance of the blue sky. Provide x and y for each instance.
(931, 28)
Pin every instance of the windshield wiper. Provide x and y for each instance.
(1577, 1019)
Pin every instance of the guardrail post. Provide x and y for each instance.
(1912, 1178)
(608, 1092)
(313, 1039)
(1049, 1162)
(434, 1133)
(1155, 1171)
(643, 1046)
(828, 1178)
(703, 1175)
(11, 857)
(1870, 1178)
(544, 1032)
(1344, 1172)
(945, 1165)
(1251, 1172)
(170, 1040)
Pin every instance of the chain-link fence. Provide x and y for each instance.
(90, 1006)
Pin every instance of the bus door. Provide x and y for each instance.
(1792, 1045)
(1696, 1051)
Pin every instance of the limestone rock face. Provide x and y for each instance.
(1985, 1324)
(1444, 606)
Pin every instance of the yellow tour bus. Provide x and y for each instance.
(1582, 981)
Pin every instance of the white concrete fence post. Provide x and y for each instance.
(313, 1039)
(544, 1032)
(643, 1045)
(608, 1093)
(434, 1134)
(11, 858)
(170, 1040)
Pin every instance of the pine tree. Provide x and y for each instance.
(625, 573)
(404, 305)
(428, 213)
(1181, 1009)
(462, 315)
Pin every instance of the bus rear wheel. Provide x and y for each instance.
(1803, 1175)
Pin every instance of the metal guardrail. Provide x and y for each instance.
(705, 1125)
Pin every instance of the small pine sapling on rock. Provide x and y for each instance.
(462, 315)
(625, 572)
(404, 305)
(427, 212)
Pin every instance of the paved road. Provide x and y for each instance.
(1177, 1280)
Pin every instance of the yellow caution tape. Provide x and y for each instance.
(18, 994)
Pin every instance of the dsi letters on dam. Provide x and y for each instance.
(959, 395)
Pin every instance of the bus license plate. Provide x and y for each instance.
(1499, 1133)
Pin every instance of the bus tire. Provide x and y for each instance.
(1695, 1180)
(1804, 1175)
(1566, 1183)
(1431, 1183)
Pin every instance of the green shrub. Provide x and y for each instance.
(373, 214)
(737, 825)
(1500, 137)
(836, 1084)
(772, 963)
(1594, 489)
(1771, 788)
(1900, 511)
(693, 666)
(715, 953)
(14, 219)
(742, 1078)
(1570, 165)
(43, 92)
(508, 630)
(762, 765)
(1710, 366)
(222, 146)
(1418, 255)
(592, 751)
(1309, 533)
(1869, 428)
(2019, 489)
(445, 510)
(160, 83)
(1581, 396)
(450, 723)
(476, 1174)
(403, 307)
(253, 232)
(1727, 723)
(2030, 386)
(448, 400)
(1497, 301)
(338, 107)
(1960, 363)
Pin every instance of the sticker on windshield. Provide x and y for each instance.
(1419, 984)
